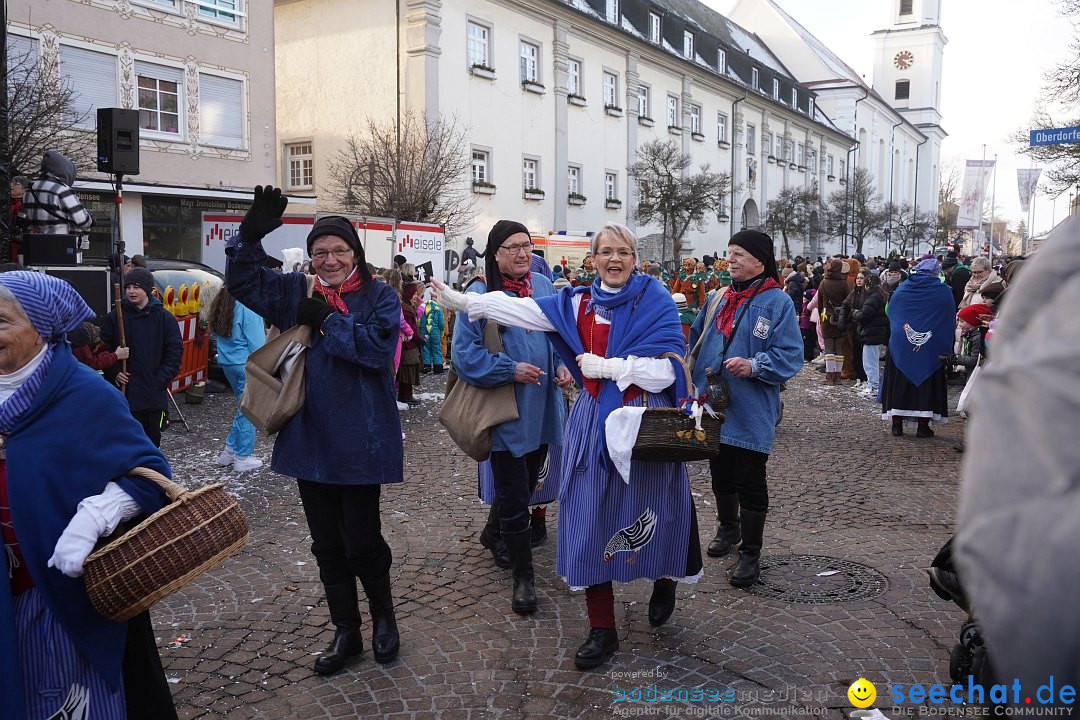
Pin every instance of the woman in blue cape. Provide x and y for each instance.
(56, 651)
(921, 322)
(611, 335)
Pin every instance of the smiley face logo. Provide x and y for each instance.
(862, 693)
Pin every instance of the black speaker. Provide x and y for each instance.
(118, 141)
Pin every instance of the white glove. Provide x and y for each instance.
(595, 367)
(452, 300)
(96, 516)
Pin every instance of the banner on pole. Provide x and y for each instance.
(1027, 180)
(976, 178)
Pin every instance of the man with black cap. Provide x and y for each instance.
(155, 346)
(519, 447)
(751, 345)
(345, 442)
(957, 275)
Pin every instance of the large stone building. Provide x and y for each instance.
(200, 73)
(557, 96)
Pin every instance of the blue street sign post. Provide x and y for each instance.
(1055, 136)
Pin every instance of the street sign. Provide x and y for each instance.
(1055, 136)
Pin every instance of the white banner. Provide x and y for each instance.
(976, 178)
(1027, 180)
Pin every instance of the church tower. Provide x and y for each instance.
(908, 59)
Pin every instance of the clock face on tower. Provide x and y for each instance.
(904, 60)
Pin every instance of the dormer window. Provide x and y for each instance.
(688, 45)
(611, 11)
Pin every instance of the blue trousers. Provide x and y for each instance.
(241, 436)
(431, 351)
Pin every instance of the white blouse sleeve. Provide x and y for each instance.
(507, 310)
(649, 374)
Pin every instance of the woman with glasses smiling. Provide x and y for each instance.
(345, 442)
(612, 526)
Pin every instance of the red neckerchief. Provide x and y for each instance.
(522, 288)
(333, 295)
(726, 317)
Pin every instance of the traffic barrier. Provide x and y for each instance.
(196, 357)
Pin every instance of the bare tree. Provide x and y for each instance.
(418, 172)
(948, 203)
(856, 210)
(790, 212)
(907, 228)
(42, 115)
(678, 199)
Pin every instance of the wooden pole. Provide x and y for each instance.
(120, 325)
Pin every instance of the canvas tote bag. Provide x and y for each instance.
(469, 412)
(274, 389)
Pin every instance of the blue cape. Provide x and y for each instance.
(921, 304)
(644, 323)
(76, 436)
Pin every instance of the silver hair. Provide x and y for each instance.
(7, 295)
(614, 231)
(980, 263)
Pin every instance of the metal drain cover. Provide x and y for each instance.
(817, 579)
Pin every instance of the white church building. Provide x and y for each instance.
(558, 95)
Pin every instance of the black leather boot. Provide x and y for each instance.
(662, 602)
(492, 540)
(746, 572)
(518, 543)
(538, 525)
(601, 644)
(345, 614)
(385, 642)
(728, 534)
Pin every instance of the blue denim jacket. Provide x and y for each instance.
(540, 406)
(769, 336)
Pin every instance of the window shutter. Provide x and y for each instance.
(221, 108)
(161, 72)
(92, 76)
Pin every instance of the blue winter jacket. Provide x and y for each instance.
(156, 352)
(248, 335)
(540, 406)
(349, 431)
(769, 336)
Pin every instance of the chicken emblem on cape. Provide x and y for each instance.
(632, 539)
(918, 339)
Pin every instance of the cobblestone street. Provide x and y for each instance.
(845, 496)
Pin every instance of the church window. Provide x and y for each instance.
(905, 7)
(903, 89)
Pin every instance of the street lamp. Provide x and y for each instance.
(887, 232)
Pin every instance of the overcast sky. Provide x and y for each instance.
(997, 53)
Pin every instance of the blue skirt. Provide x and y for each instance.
(547, 487)
(612, 530)
(55, 674)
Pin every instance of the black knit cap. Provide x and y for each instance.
(343, 228)
(140, 277)
(500, 231)
(760, 246)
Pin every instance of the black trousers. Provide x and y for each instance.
(346, 531)
(742, 472)
(146, 691)
(151, 421)
(515, 481)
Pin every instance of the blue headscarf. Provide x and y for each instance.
(54, 309)
(928, 266)
(644, 323)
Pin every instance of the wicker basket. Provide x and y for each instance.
(669, 435)
(162, 554)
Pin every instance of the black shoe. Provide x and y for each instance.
(897, 430)
(959, 447)
(662, 603)
(748, 569)
(438, 370)
(385, 641)
(345, 615)
(594, 652)
(946, 585)
(523, 601)
(538, 525)
(924, 431)
(347, 643)
(492, 540)
(727, 532)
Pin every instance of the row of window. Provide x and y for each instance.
(224, 12)
(478, 49)
(160, 94)
(530, 175)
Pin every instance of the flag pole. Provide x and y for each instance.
(993, 199)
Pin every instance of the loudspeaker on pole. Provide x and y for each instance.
(118, 141)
